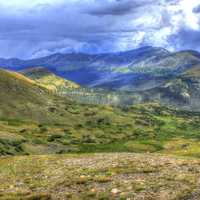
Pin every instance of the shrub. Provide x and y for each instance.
(88, 139)
(43, 129)
(53, 138)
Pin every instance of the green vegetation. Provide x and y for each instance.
(83, 128)
(35, 121)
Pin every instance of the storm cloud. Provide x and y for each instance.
(116, 7)
(197, 9)
(30, 29)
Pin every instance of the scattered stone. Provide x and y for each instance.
(115, 191)
(93, 190)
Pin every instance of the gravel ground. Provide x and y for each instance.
(99, 176)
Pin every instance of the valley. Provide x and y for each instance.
(62, 140)
(47, 124)
(100, 100)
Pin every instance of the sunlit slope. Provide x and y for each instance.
(23, 98)
(49, 80)
(18, 93)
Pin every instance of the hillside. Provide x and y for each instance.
(193, 72)
(19, 95)
(34, 121)
(139, 69)
(23, 98)
(182, 91)
(48, 80)
(99, 176)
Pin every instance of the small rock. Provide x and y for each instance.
(115, 191)
(11, 186)
(129, 187)
(93, 190)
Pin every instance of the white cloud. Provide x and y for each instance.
(191, 19)
(26, 3)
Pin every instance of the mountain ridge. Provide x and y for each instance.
(139, 69)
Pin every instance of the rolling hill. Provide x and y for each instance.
(33, 120)
(20, 95)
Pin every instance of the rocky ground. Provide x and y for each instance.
(99, 176)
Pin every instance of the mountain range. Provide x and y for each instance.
(135, 70)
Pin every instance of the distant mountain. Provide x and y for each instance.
(48, 79)
(140, 69)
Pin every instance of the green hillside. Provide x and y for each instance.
(34, 121)
(22, 98)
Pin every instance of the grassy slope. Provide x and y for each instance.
(21, 96)
(145, 128)
(49, 80)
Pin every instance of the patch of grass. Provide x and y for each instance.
(25, 197)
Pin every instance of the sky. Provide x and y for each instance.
(37, 28)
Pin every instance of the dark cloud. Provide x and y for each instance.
(197, 9)
(94, 26)
(116, 7)
(186, 39)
